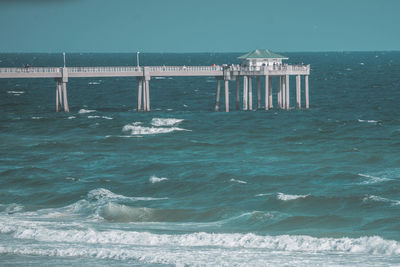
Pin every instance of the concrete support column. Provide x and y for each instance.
(266, 92)
(65, 100)
(280, 91)
(270, 92)
(307, 92)
(59, 96)
(63, 84)
(226, 95)
(237, 92)
(139, 100)
(148, 94)
(287, 92)
(245, 93)
(298, 91)
(250, 93)
(218, 93)
(57, 104)
(283, 92)
(258, 92)
(144, 95)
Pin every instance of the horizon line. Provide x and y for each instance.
(192, 52)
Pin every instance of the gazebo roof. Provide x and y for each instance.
(265, 53)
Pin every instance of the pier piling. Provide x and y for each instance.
(271, 105)
(237, 92)
(226, 95)
(245, 93)
(258, 92)
(139, 100)
(266, 92)
(307, 91)
(287, 92)
(251, 93)
(218, 94)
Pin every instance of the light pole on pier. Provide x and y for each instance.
(64, 58)
(137, 58)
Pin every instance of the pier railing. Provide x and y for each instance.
(137, 71)
(30, 70)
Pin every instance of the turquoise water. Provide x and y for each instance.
(183, 185)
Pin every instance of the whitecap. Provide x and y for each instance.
(124, 136)
(83, 111)
(165, 121)
(37, 118)
(381, 199)
(155, 179)
(16, 92)
(99, 117)
(71, 117)
(285, 197)
(93, 83)
(237, 181)
(264, 194)
(105, 194)
(373, 179)
(369, 121)
(143, 130)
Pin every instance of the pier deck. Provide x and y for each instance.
(144, 74)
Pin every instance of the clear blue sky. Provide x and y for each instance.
(198, 26)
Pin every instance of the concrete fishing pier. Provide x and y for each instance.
(258, 64)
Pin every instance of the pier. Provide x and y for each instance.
(256, 65)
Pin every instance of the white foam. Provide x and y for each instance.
(16, 92)
(237, 181)
(99, 117)
(165, 121)
(285, 197)
(124, 136)
(71, 117)
(93, 83)
(83, 111)
(143, 130)
(13, 208)
(47, 233)
(104, 194)
(381, 199)
(263, 195)
(155, 179)
(37, 118)
(373, 179)
(369, 121)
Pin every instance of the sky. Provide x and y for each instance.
(53, 26)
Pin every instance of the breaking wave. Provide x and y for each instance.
(165, 121)
(84, 111)
(285, 197)
(237, 181)
(155, 179)
(159, 126)
(381, 199)
(373, 179)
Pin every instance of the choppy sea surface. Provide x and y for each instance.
(183, 185)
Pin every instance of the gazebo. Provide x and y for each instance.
(261, 57)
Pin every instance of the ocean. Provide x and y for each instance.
(104, 185)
